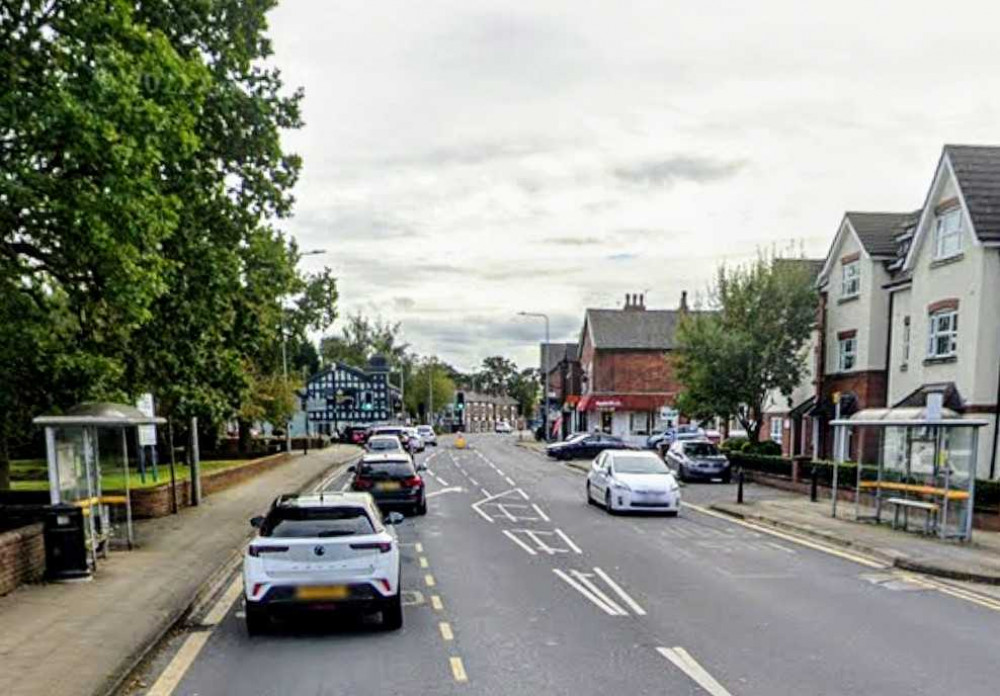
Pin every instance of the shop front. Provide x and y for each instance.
(632, 417)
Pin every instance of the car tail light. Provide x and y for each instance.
(256, 551)
(413, 482)
(362, 484)
(385, 584)
(382, 546)
(256, 588)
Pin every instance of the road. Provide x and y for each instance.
(517, 587)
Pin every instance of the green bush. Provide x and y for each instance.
(777, 466)
(733, 444)
(767, 448)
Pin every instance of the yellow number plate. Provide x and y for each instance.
(331, 592)
(391, 486)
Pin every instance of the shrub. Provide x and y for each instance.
(733, 444)
(778, 466)
(767, 448)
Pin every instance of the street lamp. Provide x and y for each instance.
(545, 399)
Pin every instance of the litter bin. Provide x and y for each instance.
(65, 543)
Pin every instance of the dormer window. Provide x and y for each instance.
(948, 234)
(850, 279)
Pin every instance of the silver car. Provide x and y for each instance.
(428, 435)
(698, 460)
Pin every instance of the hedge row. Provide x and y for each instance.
(987, 492)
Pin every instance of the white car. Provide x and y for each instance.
(322, 552)
(503, 427)
(428, 435)
(384, 444)
(417, 443)
(632, 480)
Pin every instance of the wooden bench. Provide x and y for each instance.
(915, 488)
(931, 511)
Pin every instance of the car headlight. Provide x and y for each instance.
(615, 483)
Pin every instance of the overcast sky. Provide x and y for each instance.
(466, 160)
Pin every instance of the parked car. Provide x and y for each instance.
(688, 431)
(393, 480)
(384, 444)
(654, 440)
(416, 441)
(428, 435)
(584, 445)
(322, 552)
(503, 427)
(355, 434)
(632, 481)
(699, 459)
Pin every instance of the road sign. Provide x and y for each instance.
(147, 433)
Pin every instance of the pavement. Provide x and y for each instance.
(81, 638)
(515, 586)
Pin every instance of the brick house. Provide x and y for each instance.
(481, 412)
(893, 291)
(627, 379)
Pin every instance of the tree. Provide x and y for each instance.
(525, 387)
(429, 386)
(495, 375)
(361, 339)
(754, 341)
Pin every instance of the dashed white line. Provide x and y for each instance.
(682, 659)
(347, 484)
(633, 605)
(441, 480)
(473, 481)
(509, 480)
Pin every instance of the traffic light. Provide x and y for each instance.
(460, 402)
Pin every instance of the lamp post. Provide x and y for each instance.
(545, 396)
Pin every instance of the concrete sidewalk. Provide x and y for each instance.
(82, 638)
(978, 561)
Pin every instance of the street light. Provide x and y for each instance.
(545, 399)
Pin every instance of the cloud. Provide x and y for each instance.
(574, 241)
(667, 172)
(622, 257)
(403, 304)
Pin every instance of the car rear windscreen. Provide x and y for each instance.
(316, 522)
(395, 470)
(700, 449)
(384, 444)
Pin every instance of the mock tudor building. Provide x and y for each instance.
(627, 380)
(342, 394)
(910, 305)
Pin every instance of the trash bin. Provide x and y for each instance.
(65, 543)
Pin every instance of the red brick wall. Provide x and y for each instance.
(22, 557)
(622, 372)
(870, 388)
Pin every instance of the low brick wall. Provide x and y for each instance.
(158, 500)
(22, 557)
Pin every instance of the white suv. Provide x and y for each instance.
(319, 552)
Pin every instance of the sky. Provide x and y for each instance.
(468, 160)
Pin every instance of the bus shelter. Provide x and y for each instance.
(73, 453)
(914, 462)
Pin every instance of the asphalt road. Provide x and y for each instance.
(516, 586)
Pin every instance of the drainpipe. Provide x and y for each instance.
(888, 350)
(996, 425)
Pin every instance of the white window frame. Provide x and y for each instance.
(850, 279)
(948, 234)
(843, 354)
(777, 429)
(942, 325)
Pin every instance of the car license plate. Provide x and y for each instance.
(329, 592)
(390, 486)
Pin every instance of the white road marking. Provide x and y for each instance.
(486, 492)
(585, 580)
(446, 634)
(450, 489)
(509, 480)
(513, 537)
(473, 481)
(221, 607)
(347, 484)
(179, 665)
(441, 480)
(687, 664)
(633, 605)
(418, 547)
(569, 542)
(423, 562)
(523, 494)
(610, 610)
(780, 547)
(540, 513)
(436, 603)
(503, 508)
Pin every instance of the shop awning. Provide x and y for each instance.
(624, 402)
(571, 402)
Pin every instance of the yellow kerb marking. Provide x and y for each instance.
(419, 547)
(446, 633)
(436, 603)
(429, 579)
(458, 670)
(423, 562)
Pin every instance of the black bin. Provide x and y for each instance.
(65, 543)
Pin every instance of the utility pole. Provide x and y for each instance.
(545, 354)
(284, 373)
(430, 394)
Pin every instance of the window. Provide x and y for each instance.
(639, 423)
(943, 334)
(906, 340)
(850, 285)
(848, 353)
(948, 234)
(776, 428)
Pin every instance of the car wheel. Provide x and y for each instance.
(607, 503)
(590, 498)
(672, 513)
(681, 473)
(422, 507)
(392, 613)
(257, 621)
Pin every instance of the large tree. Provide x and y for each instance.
(525, 387)
(362, 338)
(495, 375)
(429, 388)
(751, 342)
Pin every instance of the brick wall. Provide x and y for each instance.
(633, 371)
(870, 388)
(22, 557)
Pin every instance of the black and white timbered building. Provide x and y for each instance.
(341, 395)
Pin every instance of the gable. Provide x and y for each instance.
(945, 190)
(845, 237)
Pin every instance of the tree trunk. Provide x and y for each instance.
(4, 463)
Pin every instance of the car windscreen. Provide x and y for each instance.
(639, 465)
(384, 444)
(394, 470)
(316, 522)
(576, 438)
(426, 429)
(701, 449)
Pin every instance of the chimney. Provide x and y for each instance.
(634, 302)
(684, 301)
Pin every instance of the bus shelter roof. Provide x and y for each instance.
(100, 414)
(909, 417)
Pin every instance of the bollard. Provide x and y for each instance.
(739, 486)
(814, 484)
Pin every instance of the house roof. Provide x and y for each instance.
(977, 169)
(878, 231)
(554, 353)
(647, 329)
(952, 398)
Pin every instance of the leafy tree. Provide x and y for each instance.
(753, 342)
(525, 387)
(361, 339)
(495, 375)
(429, 381)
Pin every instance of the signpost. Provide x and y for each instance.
(147, 435)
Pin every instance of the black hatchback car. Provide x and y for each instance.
(393, 480)
(585, 446)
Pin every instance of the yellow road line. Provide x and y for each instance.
(436, 603)
(429, 579)
(446, 633)
(763, 528)
(458, 670)
(221, 607)
(423, 562)
(179, 665)
(419, 547)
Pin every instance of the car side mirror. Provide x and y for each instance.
(351, 469)
(421, 467)
(394, 518)
(256, 522)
